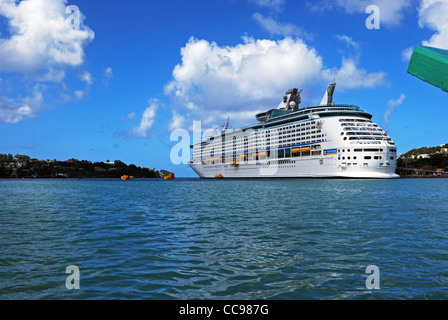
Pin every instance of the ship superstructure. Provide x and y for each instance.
(325, 141)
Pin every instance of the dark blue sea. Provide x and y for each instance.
(224, 239)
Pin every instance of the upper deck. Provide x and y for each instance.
(274, 115)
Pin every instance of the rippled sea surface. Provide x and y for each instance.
(220, 239)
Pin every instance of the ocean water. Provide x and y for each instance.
(224, 239)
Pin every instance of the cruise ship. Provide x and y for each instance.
(324, 141)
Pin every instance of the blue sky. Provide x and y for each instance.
(114, 84)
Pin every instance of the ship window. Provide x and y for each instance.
(367, 157)
(281, 154)
(287, 153)
(295, 152)
(305, 151)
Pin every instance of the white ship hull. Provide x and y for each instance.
(310, 168)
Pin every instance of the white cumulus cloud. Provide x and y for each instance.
(351, 76)
(177, 121)
(87, 78)
(52, 75)
(147, 120)
(275, 27)
(272, 4)
(39, 36)
(392, 107)
(38, 47)
(108, 75)
(391, 11)
(132, 115)
(347, 40)
(15, 110)
(222, 77)
(433, 15)
(79, 94)
(406, 54)
(214, 81)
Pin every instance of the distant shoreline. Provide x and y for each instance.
(22, 166)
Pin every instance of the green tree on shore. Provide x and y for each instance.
(22, 166)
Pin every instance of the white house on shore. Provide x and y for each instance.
(420, 156)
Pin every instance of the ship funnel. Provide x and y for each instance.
(292, 100)
(328, 96)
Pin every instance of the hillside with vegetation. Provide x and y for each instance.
(425, 159)
(22, 166)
